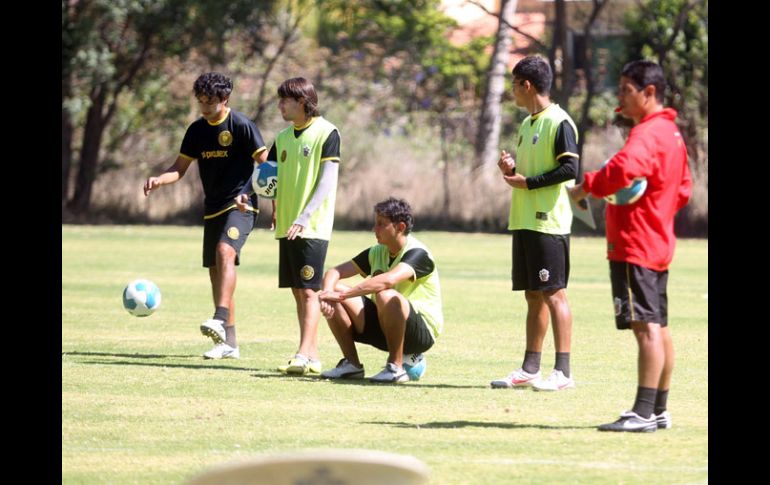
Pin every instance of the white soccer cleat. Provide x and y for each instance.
(517, 378)
(664, 420)
(391, 374)
(555, 382)
(222, 351)
(214, 329)
(344, 370)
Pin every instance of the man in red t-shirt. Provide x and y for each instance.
(640, 235)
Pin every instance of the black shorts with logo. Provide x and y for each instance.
(417, 336)
(301, 262)
(638, 294)
(539, 261)
(232, 227)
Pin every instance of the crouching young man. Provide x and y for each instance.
(397, 308)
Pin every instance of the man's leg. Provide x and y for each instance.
(392, 311)
(537, 326)
(348, 316)
(226, 285)
(652, 357)
(561, 319)
(308, 313)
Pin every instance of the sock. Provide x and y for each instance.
(645, 401)
(531, 362)
(222, 313)
(230, 336)
(562, 363)
(660, 401)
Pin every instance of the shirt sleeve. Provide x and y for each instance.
(566, 153)
(190, 148)
(419, 260)
(273, 154)
(632, 161)
(362, 261)
(330, 151)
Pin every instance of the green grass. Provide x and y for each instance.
(139, 404)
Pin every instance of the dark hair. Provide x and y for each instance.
(397, 210)
(213, 84)
(300, 88)
(646, 73)
(536, 70)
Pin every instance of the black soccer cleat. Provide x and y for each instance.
(631, 422)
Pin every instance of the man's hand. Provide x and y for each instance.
(517, 181)
(294, 231)
(331, 296)
(506, 163)
(151, 184)
(577, 194)
(242, 201)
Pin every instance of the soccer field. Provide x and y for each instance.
(140, 405)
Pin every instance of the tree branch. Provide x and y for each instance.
(534, 40)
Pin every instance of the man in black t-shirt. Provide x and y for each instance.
(226, 144)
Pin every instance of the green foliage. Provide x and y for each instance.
(682, 51)
(402, 47)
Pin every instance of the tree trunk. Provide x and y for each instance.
(89, 153)
(488, 136)
(564, 73)
(585, 121)
(66, 153)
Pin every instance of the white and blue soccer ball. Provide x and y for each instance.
(630, 194)
(264, 180)
(141, 298)
(415, 365)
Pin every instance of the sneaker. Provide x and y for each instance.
(391, 374)
(555, 382)
(215, 329)
(517, 378)
(415, 365)
(664, 420)
(301, 365)
(632, 422)
(344, 370)
(222, 351)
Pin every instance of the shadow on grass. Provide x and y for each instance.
(471, 424)
(367, 382)
(130, 356)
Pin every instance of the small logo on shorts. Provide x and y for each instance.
(616, 302)
(233, 233)
(306, 150)
(307, 272)
(544, 275)
(283, 155)
(225, 138)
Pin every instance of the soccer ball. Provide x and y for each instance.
(141, 298)
(415, 365)
(264, 180)
(630, 194)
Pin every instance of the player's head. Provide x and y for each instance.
(301, 91)
(646, 73)
(213, 85)
(212, 90)
(395, 211)
(536, 70)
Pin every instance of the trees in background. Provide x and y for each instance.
(113, 49)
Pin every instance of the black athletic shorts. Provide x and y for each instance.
(301, 262)
(232, 227)
(539, 261)
(417, 337)
(638, 294)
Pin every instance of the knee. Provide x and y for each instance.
(386, 297)
(555, 298)
(225, 252)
